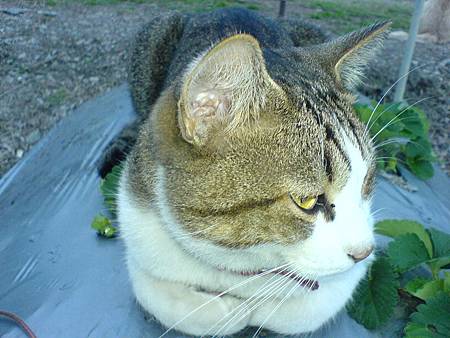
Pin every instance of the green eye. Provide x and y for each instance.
(306, 203)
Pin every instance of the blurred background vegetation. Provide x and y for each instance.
(341, 15)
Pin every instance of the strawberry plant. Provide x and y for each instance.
(109, 187)
(391, 281)
(401, 137)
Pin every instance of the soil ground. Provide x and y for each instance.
(56, 54)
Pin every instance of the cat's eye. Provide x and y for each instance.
(305, 203)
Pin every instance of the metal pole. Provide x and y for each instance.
(282, 9)
(409, 50)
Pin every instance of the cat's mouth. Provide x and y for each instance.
(305, 282)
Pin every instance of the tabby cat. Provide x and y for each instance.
(246, 198)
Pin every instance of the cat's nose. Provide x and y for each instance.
(359, 255)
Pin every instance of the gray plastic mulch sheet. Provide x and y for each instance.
(67, 282)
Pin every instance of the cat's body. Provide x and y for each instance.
(251, 159)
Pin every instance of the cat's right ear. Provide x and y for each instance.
(223, 89)
(347, 56)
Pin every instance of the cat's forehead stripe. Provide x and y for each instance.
(325, 104)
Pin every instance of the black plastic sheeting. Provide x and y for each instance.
(67, 282)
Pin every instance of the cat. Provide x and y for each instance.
(246, 198)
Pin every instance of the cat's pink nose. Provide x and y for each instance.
(359, 255)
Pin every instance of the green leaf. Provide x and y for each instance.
(423, 169)
(103, 226)
(439, 263)
(441, 242)
(413, 149)
(376, 296)
(420, 148)
(109, 187)
(441, 250)
(407, 251)
(415, 284)
(413, 330)
(391, 165)
(415, 127)
(428, 289)
(431, 319)
(394, 228)
(395, 121)
(447, 281)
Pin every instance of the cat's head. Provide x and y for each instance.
(266, 162)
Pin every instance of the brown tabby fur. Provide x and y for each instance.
(232, 188)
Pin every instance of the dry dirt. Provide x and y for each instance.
(54, 58)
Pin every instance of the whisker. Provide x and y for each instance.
(389, 89)
(390, 141)
(296, 285)
(244, 305)
(395, 117)
(377, 211)
(379, 115)
(278, 293)
(382, 158)
(221, 294)
(193, 233)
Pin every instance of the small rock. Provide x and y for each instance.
(13, 11)
(47, 13)
(444, 63)
(94, 79)
(33, 137)
(399, 35)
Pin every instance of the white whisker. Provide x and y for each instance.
(387, 91)
(277, 307)
(379, 115)
(397, 116)
(221, 294)
(267, 287)
(193, 233)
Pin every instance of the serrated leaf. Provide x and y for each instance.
(432, 318)
(363, 111)
(441, 242)
(447, 281)
(109, 187)
(103, 226)
(428, 289)
(423, 169)
(391, 165)
(439, 263)
(441, 250)
(394, 228)
(407, 251)
(376, 296)
(413, 330)
(415, 127)
(413, 149)
(415, 284)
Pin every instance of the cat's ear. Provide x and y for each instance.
(347, 55)
(223, 89)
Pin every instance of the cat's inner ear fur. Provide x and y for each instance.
(348, 55)
(223, 89)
